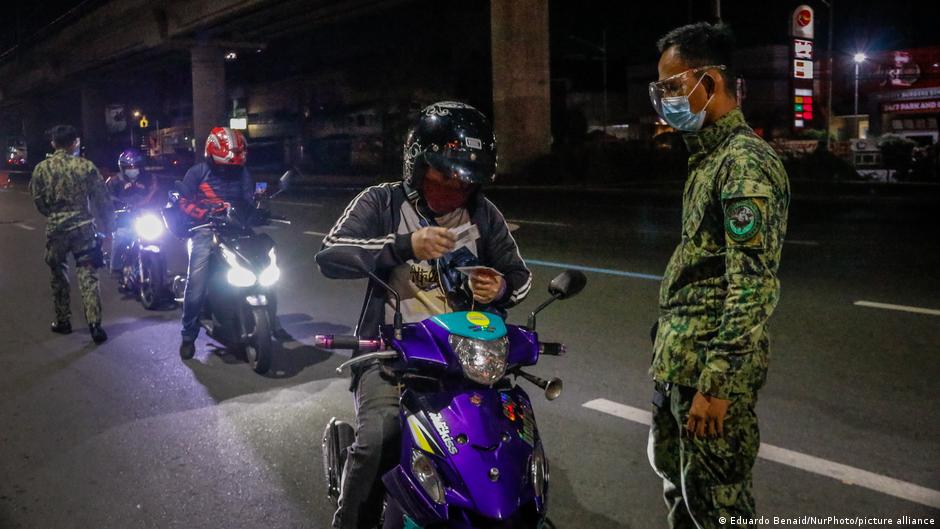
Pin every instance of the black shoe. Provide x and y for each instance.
(61, 327)
(281, 335)
(187, 349)
(97, 333)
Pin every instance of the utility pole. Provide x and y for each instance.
(604, 52)
(831, 4)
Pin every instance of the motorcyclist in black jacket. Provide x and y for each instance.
(422, 229)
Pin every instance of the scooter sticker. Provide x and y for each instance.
(422, 437)
(509, 406)
(478, 319)
(444, 431)
(527, 433)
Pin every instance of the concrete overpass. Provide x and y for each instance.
(108, 41)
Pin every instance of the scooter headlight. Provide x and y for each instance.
(483, 361)
(272, 273)
(422, 468)
(538, 471)
(148, 227)
(238, 275)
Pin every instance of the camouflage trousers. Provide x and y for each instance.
(78, 242)
(704, 480)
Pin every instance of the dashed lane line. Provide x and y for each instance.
(902, 308)
(315, 233)
(815, 465)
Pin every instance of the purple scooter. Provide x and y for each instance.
(471, 455)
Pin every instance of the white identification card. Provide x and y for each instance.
(467, 270)
(466, 233)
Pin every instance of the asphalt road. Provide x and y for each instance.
(127, 435)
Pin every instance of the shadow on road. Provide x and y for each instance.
(130, 325)
(301, 325)
(33, 377)
(568, 513)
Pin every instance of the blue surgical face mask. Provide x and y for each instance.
(132, 174)
(677, 111)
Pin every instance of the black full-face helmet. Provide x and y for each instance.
(454, 138)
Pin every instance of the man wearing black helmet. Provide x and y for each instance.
(422, 230)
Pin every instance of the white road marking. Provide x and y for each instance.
(24, 226)
(902, 308)
(830, 469)
(540, 222)
(317, 233)
(301, 204)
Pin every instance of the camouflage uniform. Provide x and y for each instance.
(719, 289)
(70, 192)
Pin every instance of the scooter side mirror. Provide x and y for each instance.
(286, 179)
(346, 261)
(352, 262)
(284, 182)
(567, 284)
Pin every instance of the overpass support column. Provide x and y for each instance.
(521, 97)
(208, 71)
(93, 131)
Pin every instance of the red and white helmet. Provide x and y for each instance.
(225, 146)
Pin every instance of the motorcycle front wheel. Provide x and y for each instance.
(152, 272)
(259, 348)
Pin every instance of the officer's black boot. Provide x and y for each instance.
(97, 333)
(187, 349)
(61, 327)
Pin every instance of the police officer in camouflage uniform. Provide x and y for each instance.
(69, 191)
(720, 287)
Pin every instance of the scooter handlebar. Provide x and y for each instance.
(342, 341)
(552, 348)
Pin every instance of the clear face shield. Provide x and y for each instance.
(673, 87)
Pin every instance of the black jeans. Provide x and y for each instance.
(374, 452)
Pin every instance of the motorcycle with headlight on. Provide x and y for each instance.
(471, 455)
(143, 265)
(243, 271)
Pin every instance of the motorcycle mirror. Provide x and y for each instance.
(356, 262)
(352, 262)
(284, 182)
(567, 284)
(286, 178)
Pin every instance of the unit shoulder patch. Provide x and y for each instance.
(744, 220)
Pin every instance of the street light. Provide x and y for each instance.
(858, 58)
